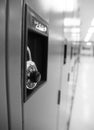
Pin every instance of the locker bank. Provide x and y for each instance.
(38, 65)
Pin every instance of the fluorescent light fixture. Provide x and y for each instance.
(91, 30)
(72, 22)
(64, 5)
(89, 43)
(75, 37)
(75, 34)
(75, 30)
(92, 22)
(70, 5)
(60, 5)
(66, 30)
(88, 36)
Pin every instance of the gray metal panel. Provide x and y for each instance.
(14, 64)
(40, 111)
(3, 97)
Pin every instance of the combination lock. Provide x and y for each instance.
(33, 76)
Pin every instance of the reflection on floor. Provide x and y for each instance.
(83, 108)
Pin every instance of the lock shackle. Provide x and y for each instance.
(29, 53)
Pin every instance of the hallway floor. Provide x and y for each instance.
(83, 108)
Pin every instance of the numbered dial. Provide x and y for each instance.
(32, 75)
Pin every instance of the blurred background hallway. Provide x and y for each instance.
(82, 117)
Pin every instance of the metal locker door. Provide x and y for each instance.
(3, 85)
(14, 63)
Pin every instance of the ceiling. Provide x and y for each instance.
(86, 15)
(84, 7)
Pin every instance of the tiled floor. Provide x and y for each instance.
(83, 109)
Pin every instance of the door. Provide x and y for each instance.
(3, 85)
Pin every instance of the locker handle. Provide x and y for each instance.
(59, 97)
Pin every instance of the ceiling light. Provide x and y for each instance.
(64, 5)
(75, 39)
(60, 5)
(75, 30)
(66, 30)
(76, 35)
(71, 22)
(88, 36)
(70, 5)
(72, 30)
(92, 22)
(89, 43)
(91, 30)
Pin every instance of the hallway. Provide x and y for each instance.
(83, 108)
